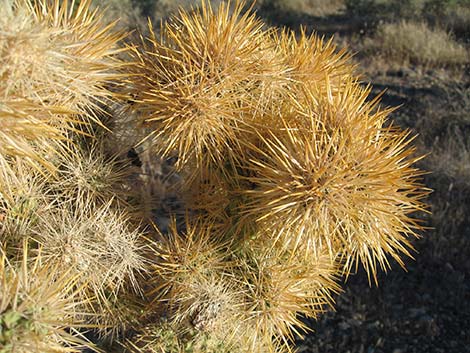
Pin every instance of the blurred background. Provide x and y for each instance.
(417, 53)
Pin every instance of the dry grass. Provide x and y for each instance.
(165, 8)
(415, 43)
(318, 8)
(450, 155)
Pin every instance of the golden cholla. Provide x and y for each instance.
(194, 85)
(97, 241)
(290, 175)
(337, 177)
(57, 63)
(279, 288)
(285, 155)
(38, 307)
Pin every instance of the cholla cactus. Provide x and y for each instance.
(38, 308)
(92, 239)
(57, 63)
(290, 177)
(98, 243)
(194, 85)
(277, 288)
(28, 127)
(23, 199)
(299, 176)
(335, 176)
(56, 54)
(86, 174)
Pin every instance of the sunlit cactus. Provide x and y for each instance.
(313, 59)
(87, 174)
(96, 241)
(161, 336)
(282, 178)
(278, 289)
(193, 85)
(183, 260)
(299, 174)
(23, 198)
(38, 307)
(58, 54)
(27, 127)
(57, 65)
(337, 177)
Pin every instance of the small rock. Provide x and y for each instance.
(417, 312)
(449, 267)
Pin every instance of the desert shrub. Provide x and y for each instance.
(444, 129)
(147, 6)
(451, 15)
(451, 156)
(458, 21)
(439, 7)
(449, 159)
(163, 9)
(372, 12)
(416, 43)
(360, 7)
(452, 111)
(308, 7)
